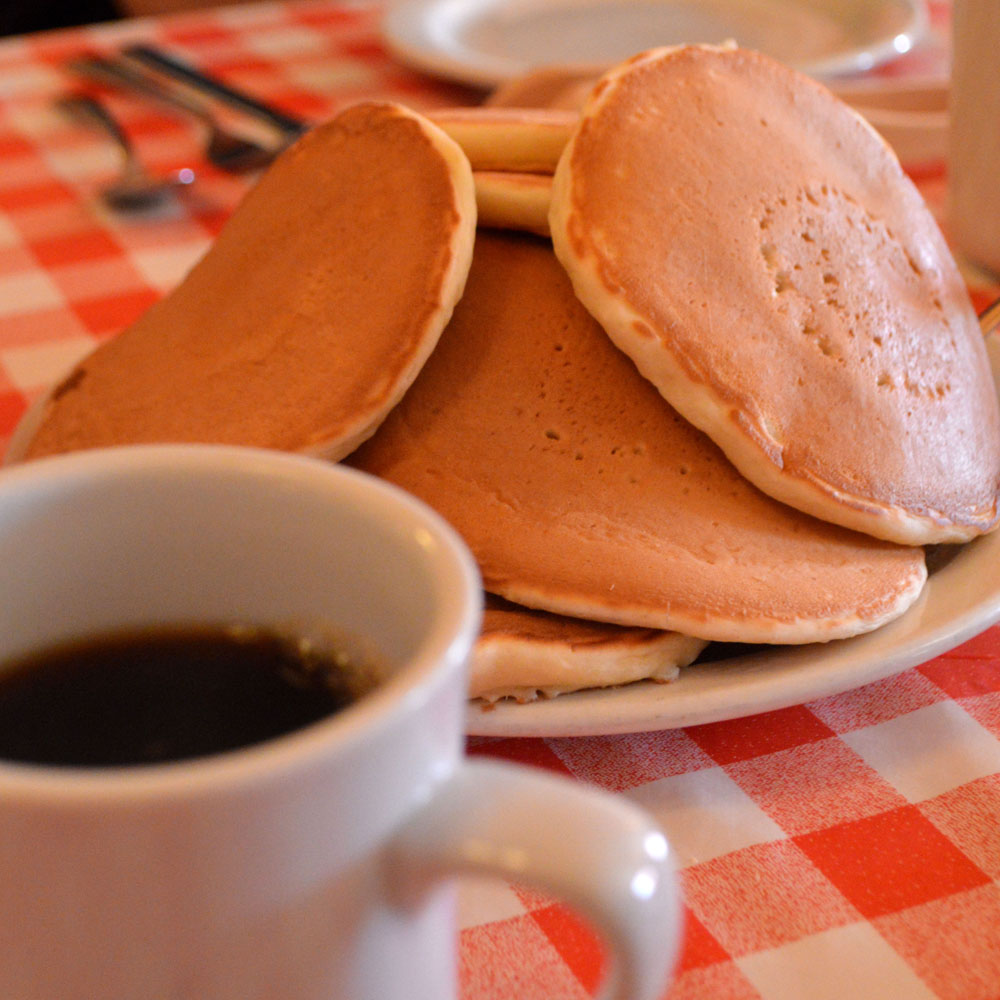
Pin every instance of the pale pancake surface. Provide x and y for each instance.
(525, 140)
(509, 200)
(523, 654)
(554, 86)
(580, 491)
(756, 248)
(311, 313)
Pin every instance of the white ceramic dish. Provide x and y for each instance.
(960, 600)
(486, 42)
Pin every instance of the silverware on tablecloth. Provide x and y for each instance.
(156, 59)
(135, 188)
(223, 148)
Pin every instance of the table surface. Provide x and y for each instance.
(848, 847)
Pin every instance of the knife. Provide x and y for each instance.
(159, 60)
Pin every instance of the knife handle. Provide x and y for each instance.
(159, 60)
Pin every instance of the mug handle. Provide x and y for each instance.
(600, 854)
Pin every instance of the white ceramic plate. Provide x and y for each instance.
(486, 42)
(960, 600)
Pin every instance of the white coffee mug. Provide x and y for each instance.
(314, 866)
(974, 137)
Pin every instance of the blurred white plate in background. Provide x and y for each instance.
(485, 42)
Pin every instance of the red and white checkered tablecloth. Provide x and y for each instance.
(846, 848)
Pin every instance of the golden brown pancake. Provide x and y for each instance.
(757, 250)
(526, 140)
(566, 87)
(508, 200)
(523, 654)
(309, 316)
(581, 492)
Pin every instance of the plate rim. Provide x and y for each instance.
(418, 33)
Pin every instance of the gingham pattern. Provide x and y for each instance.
(847, 848)
(844, 848)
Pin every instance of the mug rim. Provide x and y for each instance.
(449, 639)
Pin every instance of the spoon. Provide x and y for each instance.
(223, 149)
(135, 187)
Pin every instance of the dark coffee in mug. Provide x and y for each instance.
(154, 696)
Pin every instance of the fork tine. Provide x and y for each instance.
(223, 149)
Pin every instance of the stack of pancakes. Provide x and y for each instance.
(704, 370)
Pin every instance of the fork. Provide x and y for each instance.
(135, 189)
(223, 149)
(289, 126)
